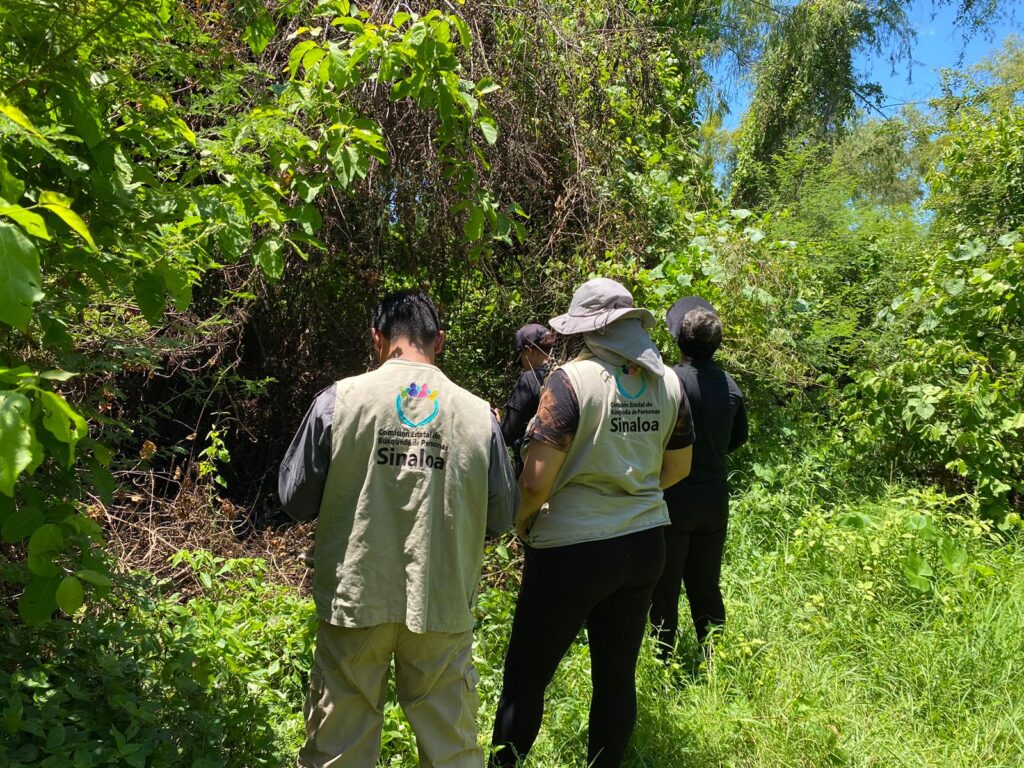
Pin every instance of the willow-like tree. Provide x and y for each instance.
(806, 88)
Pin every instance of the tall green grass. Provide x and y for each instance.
(831, 655)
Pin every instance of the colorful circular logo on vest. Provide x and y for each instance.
(416, 400)
(632, 371)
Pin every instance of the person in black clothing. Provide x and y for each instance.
(699, 505)
(534, 343)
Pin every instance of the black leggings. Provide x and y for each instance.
(693, 557)
(606, 585)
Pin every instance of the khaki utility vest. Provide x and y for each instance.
(608, 484)
(402, 520)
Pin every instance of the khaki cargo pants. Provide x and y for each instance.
(436, 684)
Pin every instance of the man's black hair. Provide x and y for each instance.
(407, 313)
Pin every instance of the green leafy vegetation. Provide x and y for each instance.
(200, 204)
(152, 681)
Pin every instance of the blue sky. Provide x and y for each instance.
(939, 45)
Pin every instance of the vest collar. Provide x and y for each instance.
(395, 362)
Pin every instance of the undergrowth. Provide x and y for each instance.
(878, 630)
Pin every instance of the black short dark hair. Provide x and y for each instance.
(700, 334)
(407, 313)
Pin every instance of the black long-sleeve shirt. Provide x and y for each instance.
(522, 406)
(720, 422)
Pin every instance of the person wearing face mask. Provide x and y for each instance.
(533, 350)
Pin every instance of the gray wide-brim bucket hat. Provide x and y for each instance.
(596, 304)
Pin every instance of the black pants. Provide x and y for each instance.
(693, 557)
(607, 585)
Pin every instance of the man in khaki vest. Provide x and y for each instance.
(406, 471)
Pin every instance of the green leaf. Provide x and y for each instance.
(302, 237)
(17, 375)
(520, 231)
(151, 295)
(38, 602)
(350, 163)
(349, 24)
(923, 525)
(308, 189)
(30, 221)
(489, 129)
(465, 38)
(56, 736)
(983, 570)
(267, 256)
(311, 60)
(19, 449)
(502, 229)
(401, 89)
(102, 453)
(11, 188)
(258, 32)
(43, 548)
(487, 85)
(62, 421)
(953, 557)
(295, 58)
(967, 251)
(70, 595)
(61, 205)
(370, 137)
(856, 520)
(85, 526)
(177, 280)
(84, 111)
(308, 219)
(1013, 422)
(7, 511)
(471, 102)
(188, 134)
(918, 572)
(95, 578)
(20, 278)
(474, 227)
(55, 374)
(19, 118)
(234, 237)
(21, 525)
(13, 713)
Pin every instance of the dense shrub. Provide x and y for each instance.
(148, 679)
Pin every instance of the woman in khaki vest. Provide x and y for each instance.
(612, 430)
